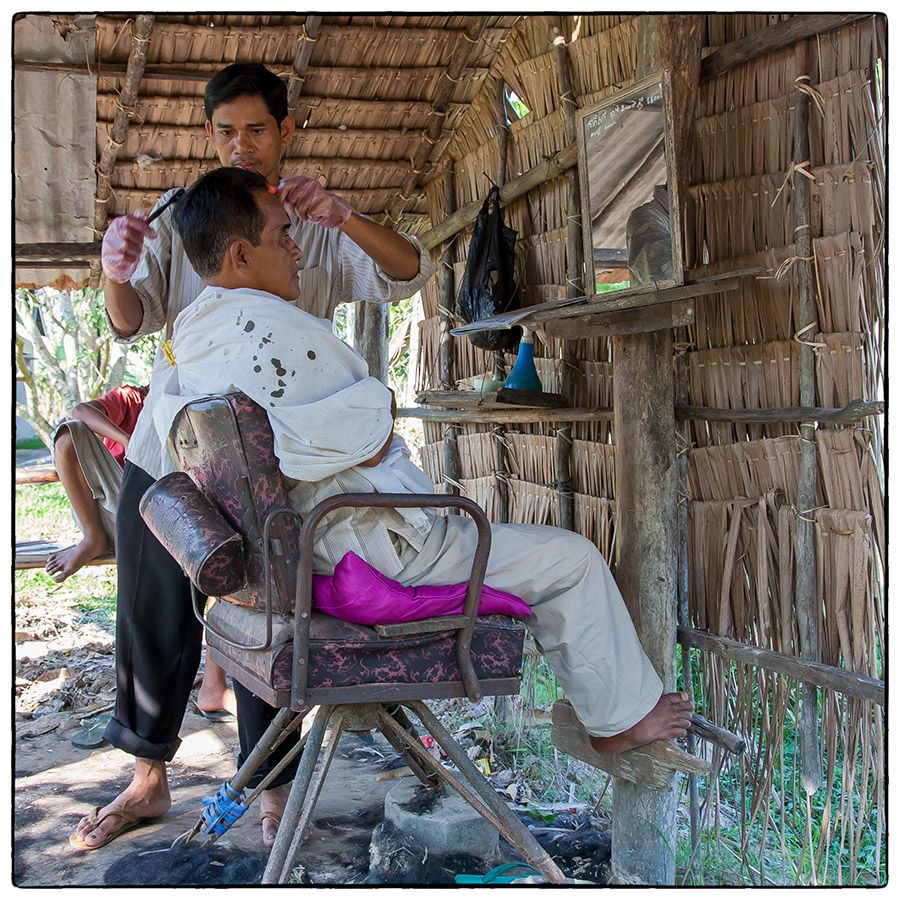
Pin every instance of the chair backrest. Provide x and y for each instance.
(225, 444)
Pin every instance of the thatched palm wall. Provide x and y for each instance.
(742, 352)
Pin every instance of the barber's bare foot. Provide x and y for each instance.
(271, 809)
(211, 698)
(147, 797)
(63, 563)
(669, 719)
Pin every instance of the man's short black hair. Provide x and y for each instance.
(246, 80)
(218, 209)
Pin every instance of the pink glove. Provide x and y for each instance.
(309, 200)
(123, 245)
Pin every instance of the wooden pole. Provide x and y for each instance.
(804, 553)
(687, 673)
(308, 36)
(850, 684)
(643, 841)
(574, 281)
(498, 433)
(141, 31)
(466, 43)
(545, 170)
(446, 356)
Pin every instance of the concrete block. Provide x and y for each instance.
(443, 822)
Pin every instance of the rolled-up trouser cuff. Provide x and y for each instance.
(125, 739)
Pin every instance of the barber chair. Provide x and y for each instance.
(225, 517)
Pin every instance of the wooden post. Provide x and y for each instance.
(574, 283)
(308, 37)
(643, 843)
(498, 433)
(367, 329)
(141, 32)
(445, 359)
(805, 554)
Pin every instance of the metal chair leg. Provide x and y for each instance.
(509, 825)
(296, 800)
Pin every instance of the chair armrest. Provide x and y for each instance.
(466, 625)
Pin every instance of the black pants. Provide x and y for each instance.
(158, 642)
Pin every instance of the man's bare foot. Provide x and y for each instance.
(669, 719)
(67, 562)
(214, 693)
(271, 809)
(147, 797)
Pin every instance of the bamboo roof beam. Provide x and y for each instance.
(775, 37)
(544, 171)
(364, 74)
(309, 34)
(452, 75)
(141, 32)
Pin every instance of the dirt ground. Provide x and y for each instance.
(56, 783)
(64, 676)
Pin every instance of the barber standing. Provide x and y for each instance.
(149, 281)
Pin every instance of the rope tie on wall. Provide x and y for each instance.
(816, 345)
(801, 168)
(803, 83)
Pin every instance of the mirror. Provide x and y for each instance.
(629, 191)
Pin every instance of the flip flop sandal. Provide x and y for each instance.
(216, 715)
(213, 715)
(95, 820)
(500, 875)
(90, 735)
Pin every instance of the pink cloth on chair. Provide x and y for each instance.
(359, 593)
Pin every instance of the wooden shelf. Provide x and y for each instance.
(502, 399)
(504, 412)
(631, 311)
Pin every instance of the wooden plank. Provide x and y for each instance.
(650, 766)
(775, 37)
(853, 412)
(34, 555)
(843, 681)
(505, 397)
(539, 399)
(44, 474)
(423, 626)
(29, 253)
(513, 414)
(640, 298)
(627, 321)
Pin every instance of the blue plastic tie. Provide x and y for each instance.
(223, 810)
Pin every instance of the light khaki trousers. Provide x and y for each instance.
(579, 617)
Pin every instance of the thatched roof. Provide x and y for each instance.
(375, 98)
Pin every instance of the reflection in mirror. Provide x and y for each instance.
(625, 189)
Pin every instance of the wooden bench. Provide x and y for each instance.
(34, 555)
(42, 474)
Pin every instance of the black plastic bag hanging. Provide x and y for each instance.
(488, 285)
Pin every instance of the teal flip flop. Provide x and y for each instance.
(497, 876)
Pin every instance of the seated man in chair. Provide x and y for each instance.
(333, 432)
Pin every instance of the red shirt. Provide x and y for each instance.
(122, 406)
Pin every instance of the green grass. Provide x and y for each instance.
(776, 851)
(34, 443)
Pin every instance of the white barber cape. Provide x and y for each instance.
(327, 413)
